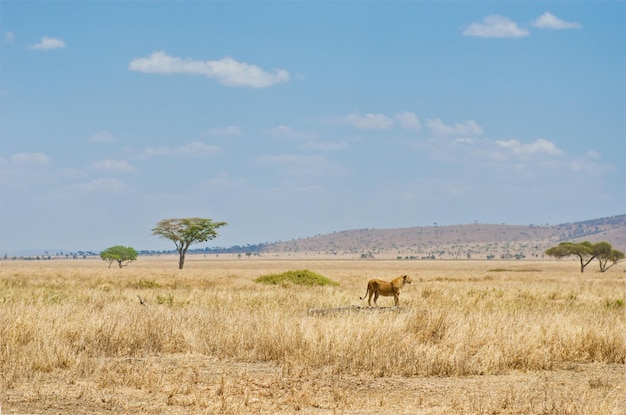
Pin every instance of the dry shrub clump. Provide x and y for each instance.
(119, 329)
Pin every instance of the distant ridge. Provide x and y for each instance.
(473, 241)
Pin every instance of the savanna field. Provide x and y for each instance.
(469, 337)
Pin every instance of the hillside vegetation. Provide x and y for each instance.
(473, 241)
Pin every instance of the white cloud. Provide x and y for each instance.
(150, 152)
(103, 137)
(286, 131)
(48, 43)
(550, 21)
(194, 149)
(408, 120)
(369, 121)
(593, 155)
(326, 146)
(539, 146)
(9, 37)
(30, 159)
(226, 71)
(466, 128)
(495, 26)
(197, 149)
(113, 165)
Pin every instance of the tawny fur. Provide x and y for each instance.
(376, 288)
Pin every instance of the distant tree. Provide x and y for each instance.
(605, 254)
(123, 255)
(186, 231)
(587, 252)
(583, 250)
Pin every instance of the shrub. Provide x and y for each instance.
(299, 277)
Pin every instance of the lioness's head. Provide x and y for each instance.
(407, 279)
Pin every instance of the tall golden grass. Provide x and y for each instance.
(80, 323)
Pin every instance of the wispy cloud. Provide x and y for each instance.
(226, 71)
(495, 26)
(9, 37)
(48, 43)
(539, 146)
(103, 137)
(120, 166)
(465, 128)
(30, 159)
(286, 131)
(550, 21)
(408, 120)
(195, 149)
(369, 121)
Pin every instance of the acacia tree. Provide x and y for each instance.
(583, 250)
(119, 253)
(587, 252)
(186, 231)
(605, 254)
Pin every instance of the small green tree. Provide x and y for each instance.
(187, 231)
(122, 254)
(606, 255)
(587, 252)
(583, 250)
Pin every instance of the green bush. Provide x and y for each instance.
(299, 277)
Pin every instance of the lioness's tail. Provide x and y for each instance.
(367, 290)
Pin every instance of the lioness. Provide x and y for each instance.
(378, 287)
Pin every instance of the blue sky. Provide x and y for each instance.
(290, 119)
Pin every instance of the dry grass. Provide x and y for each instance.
(470, 337)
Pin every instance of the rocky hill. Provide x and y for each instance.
(474, 241)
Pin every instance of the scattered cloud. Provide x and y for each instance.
(369, 121)
(30, 159)
(48, 43)
(9, 37)
(593, 155)
(103, 137)
(466, 128)
(194, 149)
(539, 146)
(495, 26)
(326, 146)
(550, 21)
(197, 149)
(226, 71)
(286, 131)
(152, 152)
(408, 120)
(590, 165)
(120, 166)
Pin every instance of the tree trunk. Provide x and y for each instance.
(181, 259)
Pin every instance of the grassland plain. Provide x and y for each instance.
(470, 337)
